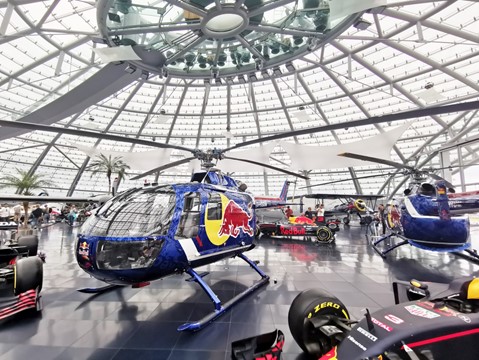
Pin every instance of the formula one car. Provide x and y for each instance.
(21, 276)
(322, 231)
(437, 322)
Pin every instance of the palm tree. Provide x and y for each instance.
(109, 165)
(24, 182)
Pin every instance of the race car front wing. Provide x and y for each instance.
(14, 304)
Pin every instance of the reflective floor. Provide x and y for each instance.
(141, 323)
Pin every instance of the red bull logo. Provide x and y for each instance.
(84, 249)
(330, 355)
(234, 219)
(83, 255)
(292, 230)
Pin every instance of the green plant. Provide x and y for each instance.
(24, 182)
(110, 165)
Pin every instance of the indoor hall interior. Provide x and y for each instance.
(141, 323)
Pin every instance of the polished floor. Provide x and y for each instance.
(141, 323)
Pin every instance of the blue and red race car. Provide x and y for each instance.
(434, 323)
(321, 230)
(21, 276)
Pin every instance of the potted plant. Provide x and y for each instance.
(25, 182)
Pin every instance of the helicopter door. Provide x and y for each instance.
(190, 218)
(214, 218)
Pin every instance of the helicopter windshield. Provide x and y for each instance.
(135, 212)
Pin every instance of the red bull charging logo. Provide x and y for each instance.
(234, 219)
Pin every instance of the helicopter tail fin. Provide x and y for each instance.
(284, 191)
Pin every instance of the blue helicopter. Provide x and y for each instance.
(423, 217)
(150, 232)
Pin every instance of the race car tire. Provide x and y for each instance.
(360, 205)
(324, 234)
(332, 226)
(31, 242)
(313, 303)
(28, 274)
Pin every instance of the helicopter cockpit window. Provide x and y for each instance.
(190, 218)
(121, 255)
(143, 212)
(215, 211)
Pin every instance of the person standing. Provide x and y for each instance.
(37, 215)
(114, 186)
(308, 213)
(288, 212)
(4, 213)
(72, 215)
(382, 217)
(321, 210)
(17, 213)
(46, 215)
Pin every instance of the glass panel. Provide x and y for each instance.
(122, 255)
(136, 212)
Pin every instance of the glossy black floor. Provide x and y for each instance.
(141, 323)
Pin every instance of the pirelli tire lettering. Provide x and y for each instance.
(331, 305)
(314, 303)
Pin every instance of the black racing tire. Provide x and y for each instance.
(313, 303)
(346, 221)
(324, 234)
(31, 242)
(28, 274)
(333, 226)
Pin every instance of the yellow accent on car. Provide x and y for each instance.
(415, 283)
(473, 289)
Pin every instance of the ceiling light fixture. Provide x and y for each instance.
(228, 134)
(361, 24)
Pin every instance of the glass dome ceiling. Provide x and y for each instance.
(204, 38)
(368, 60)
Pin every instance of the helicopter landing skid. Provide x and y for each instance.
(203, 274)
(220, 308)
(99, 290)
(471, 255)
(383, 253)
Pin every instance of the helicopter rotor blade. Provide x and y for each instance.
(268, 166)
(377, 160)
(93, 134)
(398, 165)
(350, 179)
(465, 141)
(428, 111)
(164, 167)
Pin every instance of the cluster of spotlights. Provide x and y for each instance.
(236, 55)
